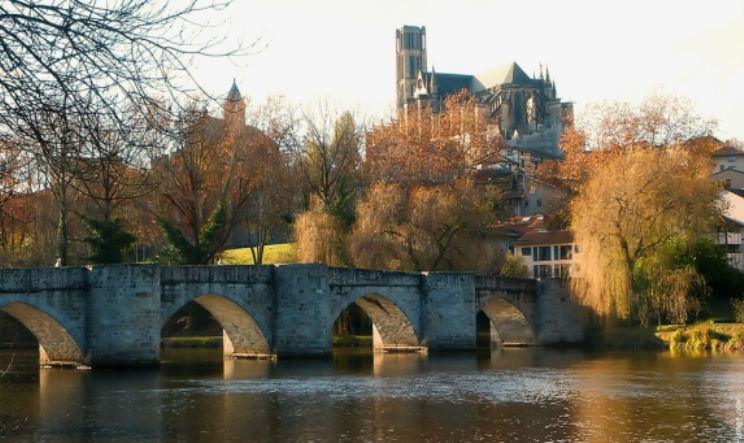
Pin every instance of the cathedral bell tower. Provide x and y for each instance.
(410, 58)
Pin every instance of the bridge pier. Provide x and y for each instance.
(302, 311)
(124, 315)
(449, 311)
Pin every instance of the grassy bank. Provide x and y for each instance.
(273, 254)
(704, 337)
(707, 336)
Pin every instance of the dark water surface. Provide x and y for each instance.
(512, 395)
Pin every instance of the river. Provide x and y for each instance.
(512, 395)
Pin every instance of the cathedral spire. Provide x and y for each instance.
(541, 72)
(547, 74)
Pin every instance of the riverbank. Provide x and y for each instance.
(703, 336)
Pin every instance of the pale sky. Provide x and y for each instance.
(344, 50)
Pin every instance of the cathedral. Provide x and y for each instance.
(526, 111)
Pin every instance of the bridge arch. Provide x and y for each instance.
(242, 334)
(392, 329)
(57, 347)
(508, 324)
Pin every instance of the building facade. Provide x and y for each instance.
(548, 254)
(523, 111)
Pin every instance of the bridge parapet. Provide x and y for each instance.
(27, 280)
(171, 275)
(496, 283)
(372, 277)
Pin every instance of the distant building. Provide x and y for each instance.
(728, 157)
(524, 111)
(548, 254)
(730, 235)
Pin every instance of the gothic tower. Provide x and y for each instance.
(410, 51)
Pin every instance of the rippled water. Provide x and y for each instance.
(513, 395)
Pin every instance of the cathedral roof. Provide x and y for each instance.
(509, 73)
(450, 83)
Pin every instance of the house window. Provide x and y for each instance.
(566, 252)
(732, 158)
(527, 251)
(543, 253)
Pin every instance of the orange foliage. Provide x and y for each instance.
(426, 147)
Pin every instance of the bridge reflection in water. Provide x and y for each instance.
(113, 315)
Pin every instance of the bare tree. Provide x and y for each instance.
(271, 207)
(330, 156)
(77, 73)
(63, 56)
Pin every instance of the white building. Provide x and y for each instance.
(731, 235)
(548, 254)
(728, 157)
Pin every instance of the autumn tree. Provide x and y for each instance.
(207, 180)
(624, 215)
(609, 129)
(425, 228)
(424, 147)
(329, 159)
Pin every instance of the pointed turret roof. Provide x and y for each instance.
(234, 94)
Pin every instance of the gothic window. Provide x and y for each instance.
(411, 66)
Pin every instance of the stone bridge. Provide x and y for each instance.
(113, 315)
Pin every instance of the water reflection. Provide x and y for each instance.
(505, 395)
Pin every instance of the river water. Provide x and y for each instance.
(512, 395)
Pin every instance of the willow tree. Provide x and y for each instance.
(627, 211)
(639, 180)
(437, 228)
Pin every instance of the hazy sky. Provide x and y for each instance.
(345, 50)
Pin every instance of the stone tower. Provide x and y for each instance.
(410, 50)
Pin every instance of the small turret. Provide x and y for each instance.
(234, 108)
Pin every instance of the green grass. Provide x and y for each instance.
(273, 254)
(708, 336)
